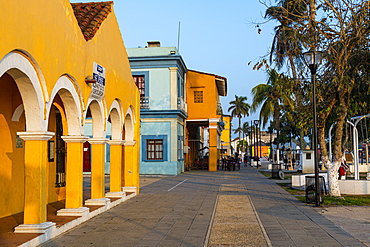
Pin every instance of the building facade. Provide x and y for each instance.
(53, 78)
(159, 73)
(203, 92)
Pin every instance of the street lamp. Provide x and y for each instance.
(313, 60)
(257, 122)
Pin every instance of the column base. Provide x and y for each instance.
(121, 194)
(35, 228)
(82, 211)
(129, 189)
(97, 202)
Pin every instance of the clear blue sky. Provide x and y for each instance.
(216, 36)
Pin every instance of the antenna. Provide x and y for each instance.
(178, 39)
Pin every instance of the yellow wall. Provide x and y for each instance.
(47, 31)
(206, 83)
(12, 158)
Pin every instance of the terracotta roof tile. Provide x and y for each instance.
(90, 16)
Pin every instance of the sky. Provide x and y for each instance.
(218, 37)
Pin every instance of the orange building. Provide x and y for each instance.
(204, 123)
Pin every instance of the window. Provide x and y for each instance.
(180, 148)
(198, 96)
(154, 149)
(140, 83)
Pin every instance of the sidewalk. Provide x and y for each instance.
(200, 208)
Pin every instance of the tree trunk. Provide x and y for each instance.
(338, 147)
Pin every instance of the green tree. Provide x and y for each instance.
(239, 108)
(342, 32)
(273, 97)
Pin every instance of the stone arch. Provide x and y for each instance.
(115, 114)
(98, 118)
(129, 125)
(31, 85)
(66, 87)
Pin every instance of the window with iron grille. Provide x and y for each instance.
(154, 149)
(140, 83)
(198, 96)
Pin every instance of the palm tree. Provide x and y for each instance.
(239, 108)
(286, 43)
(273, 97)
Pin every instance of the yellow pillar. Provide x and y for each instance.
(97, 168)
(213, 145)
(35, 176)
(74, 171)
(131, 170)
(116, 165)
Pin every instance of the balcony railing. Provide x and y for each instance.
(144, 102)
(181, 105)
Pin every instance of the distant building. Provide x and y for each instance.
(159, 73)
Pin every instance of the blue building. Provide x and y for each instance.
(159, 72)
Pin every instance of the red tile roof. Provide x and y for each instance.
(90, 16)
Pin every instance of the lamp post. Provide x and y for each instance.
(256, 123)
(313, 60)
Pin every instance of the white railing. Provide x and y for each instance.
(181, 105)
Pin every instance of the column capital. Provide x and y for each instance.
(97, 140)
(35, 136)
(81, 138)
(130, 143)
(116, 142)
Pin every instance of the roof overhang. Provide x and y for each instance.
(221, 83)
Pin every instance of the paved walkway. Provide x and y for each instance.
(199, 208)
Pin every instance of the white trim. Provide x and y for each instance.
(35, 136)
(198, 120)
(98, 117)
(97, 141)
(76, 138)
(17, 113)
(66, 89)
(33, 93)
(116, 119)
(214, 120)
(129, 127)
(129, 143)
(116, 142)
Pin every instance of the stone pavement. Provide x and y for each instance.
(200, 208)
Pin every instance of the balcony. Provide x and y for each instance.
(144, 103)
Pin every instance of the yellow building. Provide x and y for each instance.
(61, 64)
(226, 136)
(203, 93)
